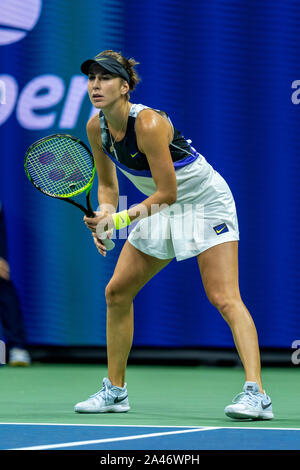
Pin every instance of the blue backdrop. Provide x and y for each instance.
(228, 73)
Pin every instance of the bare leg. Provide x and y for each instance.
(219, 270)
(133, 270)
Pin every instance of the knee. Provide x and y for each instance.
(115, 294)
(227, 303)
(112, 293)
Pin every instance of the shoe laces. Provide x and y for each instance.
(247, 398)
(107, 392)
(104, 393)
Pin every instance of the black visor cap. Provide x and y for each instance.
(108, 63)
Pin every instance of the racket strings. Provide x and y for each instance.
(60, 166)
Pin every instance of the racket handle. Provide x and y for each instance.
(108, 243)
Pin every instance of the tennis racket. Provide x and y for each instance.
(61, 166)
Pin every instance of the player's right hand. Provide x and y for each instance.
(4, 269)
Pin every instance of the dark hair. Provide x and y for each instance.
(128, 65)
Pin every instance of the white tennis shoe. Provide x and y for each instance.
(110, 399)
(250, 404)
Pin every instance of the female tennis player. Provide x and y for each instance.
(188, 211)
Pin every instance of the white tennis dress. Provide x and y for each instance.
(204, 214)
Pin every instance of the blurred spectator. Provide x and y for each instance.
(10, 311)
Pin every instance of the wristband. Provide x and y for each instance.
(121, 219)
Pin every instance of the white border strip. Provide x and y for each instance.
(114, 439)
(151, 426)
(108, 425)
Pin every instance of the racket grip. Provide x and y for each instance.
(108, 243)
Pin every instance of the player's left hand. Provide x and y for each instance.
(103, 220)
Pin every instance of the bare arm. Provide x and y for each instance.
(153, 136)
(108, 187)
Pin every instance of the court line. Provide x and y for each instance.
(111, 425)
(152, 426)
(114, 439)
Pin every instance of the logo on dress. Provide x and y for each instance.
(133, 155)
(222, 228)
